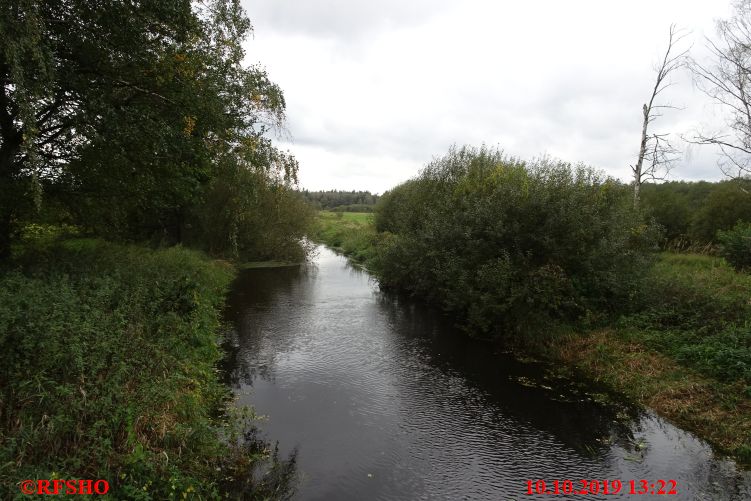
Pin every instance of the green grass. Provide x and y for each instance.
(351, 233)
(719, 412)
(697, 312)
(108, 370)
(685, 352)
(358, 217)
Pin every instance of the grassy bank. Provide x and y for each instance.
(719, 412)
(685, 351)
(351, 233)
(108, 371)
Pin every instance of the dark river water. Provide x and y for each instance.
(383, 399)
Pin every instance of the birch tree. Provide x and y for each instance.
(727, 81)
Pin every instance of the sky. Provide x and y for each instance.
(375, 90)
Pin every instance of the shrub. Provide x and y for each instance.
(736, 245)
(247, 216)
(501, 241)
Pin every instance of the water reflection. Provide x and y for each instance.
(385, 400)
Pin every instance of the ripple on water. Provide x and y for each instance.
(385, 401)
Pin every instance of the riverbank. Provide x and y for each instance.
(108, 356)
(684, 353)
(351, 233)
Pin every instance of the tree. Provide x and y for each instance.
(727, 81)
(727, 204)
(656, 153)
(69, 70)
(126, 109)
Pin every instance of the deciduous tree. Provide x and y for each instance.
(727, 80)
(125, 109)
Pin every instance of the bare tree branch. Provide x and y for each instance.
(656, 154)
(728, 83)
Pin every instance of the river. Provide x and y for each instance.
(382, 398)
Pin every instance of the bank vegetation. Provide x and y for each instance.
(554, 260)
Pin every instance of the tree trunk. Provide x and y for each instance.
(10, 194)
(10, 146)
(640, 160)
(5, 235)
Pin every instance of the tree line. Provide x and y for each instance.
(692, 214)
(348, 201)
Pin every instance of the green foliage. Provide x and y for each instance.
(671, 208)
(122, 115)
(692, 213)
(107, 370)
(728, 203)
(736, 245)
(509, 245)
(247, 215)
(696, 310)
(345, 201)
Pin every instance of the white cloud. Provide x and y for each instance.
(376, 89)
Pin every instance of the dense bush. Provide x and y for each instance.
(728, 203)
(507, 244)
(107, 370)
(736, 245)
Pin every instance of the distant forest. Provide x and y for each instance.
(692, 213)
(341, 201)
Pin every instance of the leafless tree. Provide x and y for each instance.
(728, 82)
(656, 153)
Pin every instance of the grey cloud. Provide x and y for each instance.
(345, 19)
(423, 79)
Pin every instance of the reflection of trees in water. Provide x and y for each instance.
(235, 368)
(258, 298)
(268, 476)
(712, 477)
(524, 406)
(492, 386)
(258, 472)
(246, 359)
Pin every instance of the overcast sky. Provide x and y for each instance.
(375, 89)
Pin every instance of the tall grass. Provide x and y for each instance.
(107, 370)
(696, 309)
